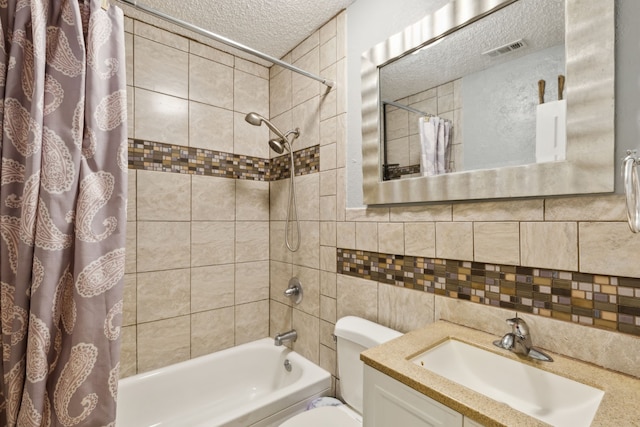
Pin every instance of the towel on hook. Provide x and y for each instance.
(434, 145)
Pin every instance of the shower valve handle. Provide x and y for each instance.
(294, 290)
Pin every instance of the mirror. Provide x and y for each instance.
(587, 164)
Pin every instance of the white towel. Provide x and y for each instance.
(434, 143)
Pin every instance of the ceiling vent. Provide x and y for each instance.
(509, 47)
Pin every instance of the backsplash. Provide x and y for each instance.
(602, 301)
(162, 157)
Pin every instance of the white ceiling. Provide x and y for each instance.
(273, 27)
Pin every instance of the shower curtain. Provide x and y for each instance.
(434, 145)
(62, 211)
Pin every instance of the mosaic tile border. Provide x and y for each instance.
(157, 156)
(606, 302)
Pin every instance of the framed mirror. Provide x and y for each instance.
(482, 171)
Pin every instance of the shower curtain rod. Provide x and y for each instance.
(224, 40)
(407, 108)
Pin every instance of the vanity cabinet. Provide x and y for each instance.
(388, 402)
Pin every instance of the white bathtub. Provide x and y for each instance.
(246, 385)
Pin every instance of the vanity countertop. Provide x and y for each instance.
(620, 405)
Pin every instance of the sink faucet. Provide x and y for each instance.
(519, 341)
(291, 335)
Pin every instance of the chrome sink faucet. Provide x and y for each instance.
(519, 341)
(291, 335)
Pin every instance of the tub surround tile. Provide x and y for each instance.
(357, 297)
(212, 331)
(308, 342)
(131, 248)
(213, 242)
(252, 241)
(161, 36)
(328, 284)
(391, 238)
(161, 68)
(252, 281)
(512, 210)
(212, 287)
(210, 82)
(152, 108)
(310, 279)
(280, 318)
(163, 295)
(210, 127)
(163, 343)
(132, 195)
(210, 199)
(328, 208)
(250, 93)
(163, 245)
(211, 53)
(251, 141)
(304, 88)
(129, 300)
(163, 196)
(280, 273)
(277, 248)
(306, 117)
(308, 254)
(326, 334)
(128, 353)
(328, 233)
(346, 235)
(252, 321)
(328, 360)
(252, 200)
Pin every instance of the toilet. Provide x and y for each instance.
(354, 335)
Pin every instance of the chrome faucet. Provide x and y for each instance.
(291, 335)
(519, 341)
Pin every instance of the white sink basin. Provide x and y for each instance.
(548, 397)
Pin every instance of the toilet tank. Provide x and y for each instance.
(354, 335)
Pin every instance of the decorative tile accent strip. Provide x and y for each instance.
(157, 156)
(397, 172)
(601, 301)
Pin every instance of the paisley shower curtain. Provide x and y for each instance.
(62, 210)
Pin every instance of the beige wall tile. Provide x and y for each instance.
(129, 300)
(328, 31)
(212, 331)
(357, 297)
(252, 281)
(210, 127)
(161, 68)
(131, 195)
(163, 294)
(128, 353)
(346, 235)
(308, 254)
(304, 88)
(163, 343)
(308, 342)
(328, 158)
(211, 53)
(328, 133)
(280, 99)
(212, 243)
(328, 102)
(131, 250)
(128, 48)
(368, 215)
(249, 140)
(512, 210)
(163, 245)
(549, 245)
(496, 242)
(341, 197)
(367, 236)
(252, 321)
(210, 82)
(213, 199)
(404, 309)
(310, 280)
(131, 130)
(280, 318)
(212, 287)
(391, 238)
(586, 208)
(328, 181)
(326, 334)
(163, 196)
(305, 46)
(328, 53)
(328, 233)
(279, 199)
(420, 239)
(328, 284)
(250, 93)
(252, 200)
(454, 240)
(328, 258)
(307, 196)
(280, 274)
(328, 309)
(252, 68)
(608, 248)
(128, 24)
(328, 359)
(252, 241)
(328, 208)
(277, 249)
(159, 35)
(421, 213)
(152, 108)
(305, 116)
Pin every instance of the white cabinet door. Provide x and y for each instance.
(389, 403)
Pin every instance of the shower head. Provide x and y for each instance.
(278, 145)
(256, 120)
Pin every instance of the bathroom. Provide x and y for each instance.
(206, 258)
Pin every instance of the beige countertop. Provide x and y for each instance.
(620, 405)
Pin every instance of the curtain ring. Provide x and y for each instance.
(632, 190)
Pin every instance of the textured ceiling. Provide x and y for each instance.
(540, 23)
(273, 27)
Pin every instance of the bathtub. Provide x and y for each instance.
(247, 385)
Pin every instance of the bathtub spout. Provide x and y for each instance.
(292, 336)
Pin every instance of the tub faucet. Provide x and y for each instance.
(291, 335)
(519, 341)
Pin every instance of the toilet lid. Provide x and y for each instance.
(325, 416)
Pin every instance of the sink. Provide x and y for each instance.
(548, 397)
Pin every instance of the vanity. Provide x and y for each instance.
(399, 391)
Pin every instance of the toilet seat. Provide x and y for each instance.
(339, 416)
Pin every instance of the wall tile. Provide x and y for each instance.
(252, 321)
(305, 116)
(512, 210)
(328, 258)
(549, 245)
(454, 240)
(608, 248)
(367, 236)
(280, 318)
(328, 233)
(496, 242)
(152, 108)
(341, 196)
(212, 287)
(252, 241)
(277, 249)
(307, 196)
(328, 359)
(159, 35)
(368, 215)
(131, 250)
(279, 199)
(421, 213)
(163, 245)
(280, 274)
(250, 93)
(252, 281)
(252, 200)
(131, 130)
(163, 295)
(586, 208)
(308, 254)
(346, 235)
(305, 46)
(328, 209)
(328, 31)
(328, 181)
(308, 342)
(210, 127)
(131, 195)
(326, 334)
(210, 82)
(391, 238)
(310, 279)
(129, 300)
(163, 196)
(128, 352)
(212, 331)
(212, 198)
(249, 140)
(161, 68)
(128, 43)
(404, 309)
(163, 343)
(328, 132)
(211, 53)
(252, 68)
(212, 243)
(280, 99)
(328, 284)
(328, 104)
(328, 157)
(328, 309)
(304, 88)
(357, 297)
(328, 53)
(420, 239)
